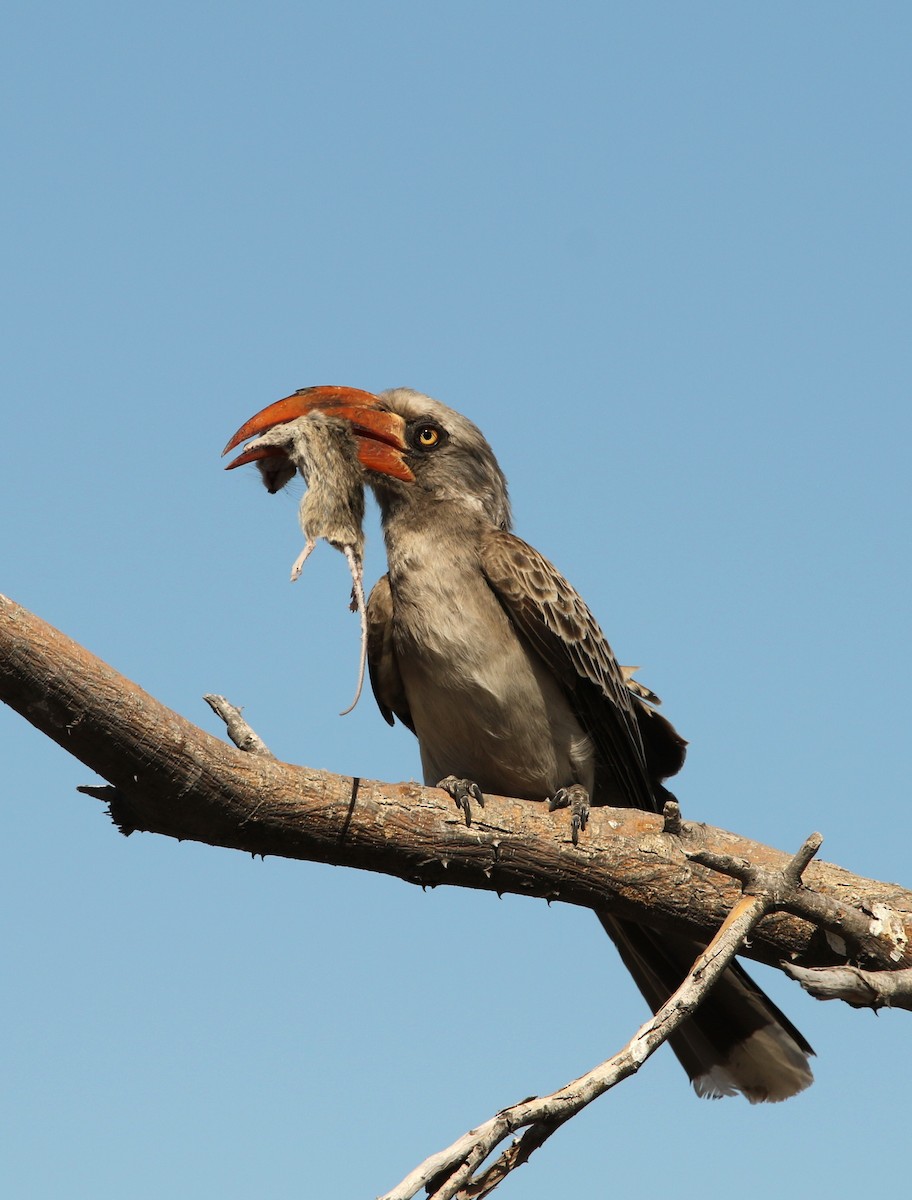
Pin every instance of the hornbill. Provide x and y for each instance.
(492, 659)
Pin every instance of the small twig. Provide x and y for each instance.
(450, 1172)
(860, 989)
(671, 817)
(793, 871)
(847, 923)
(243, 736)
(780, 886)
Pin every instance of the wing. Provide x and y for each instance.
(385, 678)
(635, 747)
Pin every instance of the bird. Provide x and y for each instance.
(479, 646)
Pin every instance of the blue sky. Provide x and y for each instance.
(661, 254)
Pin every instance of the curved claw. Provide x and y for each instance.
(463, 791)
(576, 798)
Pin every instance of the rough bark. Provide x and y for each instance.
(169, 777)
(860, 989)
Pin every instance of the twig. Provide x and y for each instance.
(671, 819)
(861, 989)
(450, 1174)
(864, 930)
(243, 736)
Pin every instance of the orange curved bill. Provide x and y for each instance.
(378, 432)
(249, 456)
(385, 460)
(299, 404)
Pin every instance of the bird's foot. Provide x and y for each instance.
(576, 798)
(463, 791)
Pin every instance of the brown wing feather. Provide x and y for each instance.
(382, 664)
(636, 748)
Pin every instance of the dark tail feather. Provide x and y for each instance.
(737, 1041)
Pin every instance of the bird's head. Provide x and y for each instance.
(412, 448)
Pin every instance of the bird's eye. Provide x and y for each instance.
(426, 436)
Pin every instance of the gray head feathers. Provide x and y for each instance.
(464, 470)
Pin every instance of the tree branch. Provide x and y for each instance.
(236, 727)
(452, 1174)
(861, 989)
(169, 777)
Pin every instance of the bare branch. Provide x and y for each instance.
(243, 736)
(861, 989)
(846, 924)
(451, 1173)
(170, 777)
(671, 818)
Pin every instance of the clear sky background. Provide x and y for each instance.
(660, 253)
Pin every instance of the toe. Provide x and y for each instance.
(463, 791)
